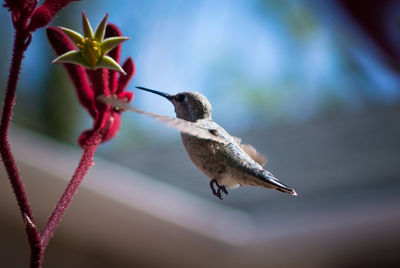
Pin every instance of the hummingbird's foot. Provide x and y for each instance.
(224, 190)
(220, 189)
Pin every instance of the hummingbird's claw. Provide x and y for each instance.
(224, 190)
(216, 193)
(220, 189)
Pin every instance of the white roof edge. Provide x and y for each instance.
(135, 190)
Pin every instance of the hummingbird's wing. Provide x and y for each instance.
(183, 126)
(246, 151)
(252, 152)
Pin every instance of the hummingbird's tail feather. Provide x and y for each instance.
(276, 184)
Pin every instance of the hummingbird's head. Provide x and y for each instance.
(189, 106)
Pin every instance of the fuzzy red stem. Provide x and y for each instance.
(85, 163)
(7, 156)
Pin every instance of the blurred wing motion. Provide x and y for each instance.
(252, 152)
(183, 126)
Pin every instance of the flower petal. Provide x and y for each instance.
(100, 29)
(129, 68)
(74, 36)
(126, 96)
(115, 53)
(112, 42)
(109, 63)
(114, 120)
(73, 56)
(114, 127)
(87, 29)
(61, 44)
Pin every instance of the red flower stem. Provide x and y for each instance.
(6, 154)
(85, 163)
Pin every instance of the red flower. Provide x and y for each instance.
(24, 10)
(90, 84)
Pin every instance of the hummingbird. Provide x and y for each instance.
(222, 157)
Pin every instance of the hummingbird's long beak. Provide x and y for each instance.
(165, 95)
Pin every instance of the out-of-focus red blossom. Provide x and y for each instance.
(25, 10)
(90, 84)
(45, 13)
(21, 10)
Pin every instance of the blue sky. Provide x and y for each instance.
(270, 62)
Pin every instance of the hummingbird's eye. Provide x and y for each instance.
(180, 97)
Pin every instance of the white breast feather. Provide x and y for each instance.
(229, 181)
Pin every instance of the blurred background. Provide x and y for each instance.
(312, 84)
